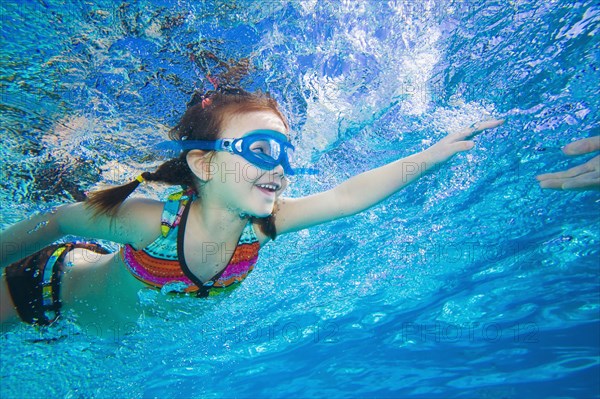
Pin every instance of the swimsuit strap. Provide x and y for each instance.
(180, 253)
(173, 210)
(204, 287)
(242, 262)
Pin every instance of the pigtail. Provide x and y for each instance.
(175, 172)
(267, 225)
(108, 200)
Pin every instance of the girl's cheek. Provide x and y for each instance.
(251, 173)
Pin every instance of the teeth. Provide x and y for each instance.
(268, 186)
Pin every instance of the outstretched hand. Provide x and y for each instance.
(582, 177)
(459, 141)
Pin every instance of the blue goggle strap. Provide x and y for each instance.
(181, 145)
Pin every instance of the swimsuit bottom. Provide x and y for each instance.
(34, 282)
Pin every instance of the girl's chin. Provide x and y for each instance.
(262, 213)
(259, 214)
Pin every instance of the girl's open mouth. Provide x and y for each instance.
(268, 188)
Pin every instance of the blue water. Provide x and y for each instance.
(471, 283)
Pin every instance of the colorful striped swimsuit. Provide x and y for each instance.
(162, 262)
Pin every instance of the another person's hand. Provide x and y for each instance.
(582, 177)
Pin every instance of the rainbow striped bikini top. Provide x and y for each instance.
(162, 262)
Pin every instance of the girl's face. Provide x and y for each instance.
(236, 180)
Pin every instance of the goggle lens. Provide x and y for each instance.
(267, 152)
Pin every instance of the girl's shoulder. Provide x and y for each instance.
(143, 215)
(137, 221)
(140, 207)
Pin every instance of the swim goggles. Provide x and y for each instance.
(263, 148)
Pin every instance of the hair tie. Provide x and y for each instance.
(140, 178)
(206, 102)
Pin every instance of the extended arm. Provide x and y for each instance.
(136, 223)
(370, 188)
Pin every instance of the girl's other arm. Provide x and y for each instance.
(370, 188)
(137, 223)
(27, 237)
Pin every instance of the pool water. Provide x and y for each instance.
(471, 283)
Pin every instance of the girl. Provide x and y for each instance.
(203, 240)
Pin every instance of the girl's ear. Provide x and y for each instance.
(200, 164)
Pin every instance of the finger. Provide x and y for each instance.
(548, 176)
(590, 180)
(478, 127)
(489, 124)
(552, 183)
(576, 171)
(582, 146)
(586, 181)
(582, 183)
